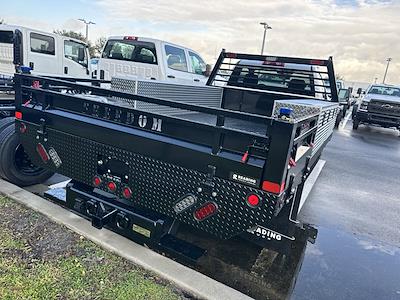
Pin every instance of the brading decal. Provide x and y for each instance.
(244, 179)
(123, 116)
(265, 233)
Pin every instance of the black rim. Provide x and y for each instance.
(24, 164)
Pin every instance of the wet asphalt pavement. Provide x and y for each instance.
(355, 205)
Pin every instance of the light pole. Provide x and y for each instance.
(87, 23)
(266, 27)
(387, 67)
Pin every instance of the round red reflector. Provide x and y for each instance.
(112, 187)
(127, 192)
(96, 181)
(253, 200)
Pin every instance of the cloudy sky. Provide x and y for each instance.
(359, 34)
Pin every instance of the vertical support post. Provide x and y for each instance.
(218, 135)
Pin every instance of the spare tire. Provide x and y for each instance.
(15, 164)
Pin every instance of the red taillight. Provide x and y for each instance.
(18, 115)
(273, 187)
(230, 55)
(42, 152)
(127, 192)
(205, 211)
(253, 200)
(130, 38)
(112, 187)
(22, 128)
(97, 181)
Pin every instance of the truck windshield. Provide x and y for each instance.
(384, 90)
(6, 37)
(130, 50)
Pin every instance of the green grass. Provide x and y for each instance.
(87, 272)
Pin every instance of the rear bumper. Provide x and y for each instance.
(378, 119)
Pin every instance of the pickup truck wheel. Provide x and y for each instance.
(15, 164)
(355, 124)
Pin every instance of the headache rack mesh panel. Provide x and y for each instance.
(309, 78)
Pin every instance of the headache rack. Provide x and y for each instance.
(310, 78)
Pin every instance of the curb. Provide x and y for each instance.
(183, 277)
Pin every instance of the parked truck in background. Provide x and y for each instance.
(44, 53)
(380, 106)
(152, 59)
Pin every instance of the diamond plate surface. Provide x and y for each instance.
(199, 95)
(299, 111)
(157, 185)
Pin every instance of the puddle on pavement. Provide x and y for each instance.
(337, 266)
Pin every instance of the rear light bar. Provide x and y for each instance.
(205, 211)
(130, 38)
(273, 187)
(273, 63)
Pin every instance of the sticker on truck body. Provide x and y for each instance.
(268, 234)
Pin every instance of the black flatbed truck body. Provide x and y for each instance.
(214, 163)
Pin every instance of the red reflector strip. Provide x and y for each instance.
(317, 62)
(18, 115)
(205, 211)
(245, 157)
(42, 152)
(230, 55)
(273, 187)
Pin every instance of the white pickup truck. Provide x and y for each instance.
(151, 59)
(45, 53)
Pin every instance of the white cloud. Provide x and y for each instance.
(359, 37)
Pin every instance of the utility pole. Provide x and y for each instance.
(87, 23)
(266, 27)
(387, 67)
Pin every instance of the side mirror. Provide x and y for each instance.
(207, 72)
(363, 92)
